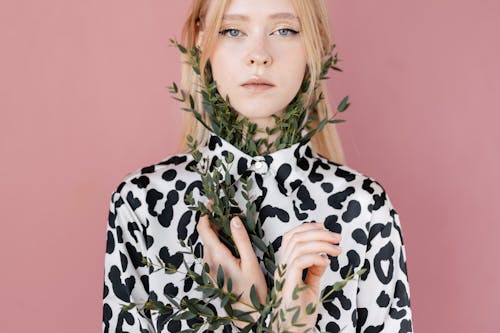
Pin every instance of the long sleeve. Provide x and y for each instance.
(125, 276)
(383, 298)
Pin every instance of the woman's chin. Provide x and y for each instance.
(258, 113)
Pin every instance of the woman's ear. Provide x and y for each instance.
(199, 38)
(199, 35)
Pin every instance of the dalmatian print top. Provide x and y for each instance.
(149, 216)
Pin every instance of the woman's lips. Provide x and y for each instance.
(257, 86)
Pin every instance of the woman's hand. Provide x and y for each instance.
(304, 247)
(243, 272)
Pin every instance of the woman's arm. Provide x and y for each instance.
(125, 276)
(383, 299)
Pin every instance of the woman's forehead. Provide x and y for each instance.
(245, 10)
(275, 16)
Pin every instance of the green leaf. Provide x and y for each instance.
(254, 298)
(203, 309)
(242, 315)
(295, 315)
(128, 307)
(295, 291)
(206, 268)
(344, 104)
(220, 277)
(191, 102)
(186, 315)
(229, 157)
(171, 300)
(181, 48)
(224, 300)
(310, 308)
(282, 315)
(259, 243)
(270, 266)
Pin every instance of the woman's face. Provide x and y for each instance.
(259, 40)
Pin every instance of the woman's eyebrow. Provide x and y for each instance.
(281, 16)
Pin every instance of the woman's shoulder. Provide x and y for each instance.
(169, 168)
(351, 180)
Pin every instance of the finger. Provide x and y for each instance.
(300, 228)
(309, 236)
(315, 272)
(303, 248)
(208, 236)
(209, 205)
(294, 271)
(215, 251)
(242, 241)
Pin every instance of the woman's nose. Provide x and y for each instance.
(259, 55)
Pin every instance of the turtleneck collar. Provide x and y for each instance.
(287, 166)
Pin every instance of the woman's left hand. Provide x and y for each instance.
(243, 271)
(305, 246)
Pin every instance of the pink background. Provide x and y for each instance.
(83, 102)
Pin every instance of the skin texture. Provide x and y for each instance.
(302, 247)
(244, 271)
(261, 46)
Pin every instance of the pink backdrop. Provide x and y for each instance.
(83, 102)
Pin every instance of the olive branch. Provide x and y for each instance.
(219, 187)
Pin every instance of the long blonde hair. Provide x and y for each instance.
(317, 39)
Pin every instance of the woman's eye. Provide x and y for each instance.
(230, 32)
(286, 32)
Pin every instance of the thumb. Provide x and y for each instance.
(242, 240)
(314, 274)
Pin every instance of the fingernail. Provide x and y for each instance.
(236, 222)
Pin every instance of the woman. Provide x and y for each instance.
(259, 52)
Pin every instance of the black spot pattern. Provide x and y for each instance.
(133, 202)
(169, 175)
(141, 182)
(315, 176)
(348, 176)
(300, 216)
(353, 210)
(149, 216)
(336, 199)
(282, 174)
(110, 243)
(307, 203)
(327, 187)
(152, 197)
(270, 211)
(165, 218)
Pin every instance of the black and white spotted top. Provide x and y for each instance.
(149, 216)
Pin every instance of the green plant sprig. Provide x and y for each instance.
(239, 130)
(190, 308)
(217, 186)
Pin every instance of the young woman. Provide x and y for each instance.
(260, 51)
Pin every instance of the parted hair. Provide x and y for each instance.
(207, 15)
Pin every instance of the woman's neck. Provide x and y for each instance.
(262, 123)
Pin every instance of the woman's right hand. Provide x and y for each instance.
(244, 271)
(304, 247)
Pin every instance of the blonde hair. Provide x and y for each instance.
(317, 39)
